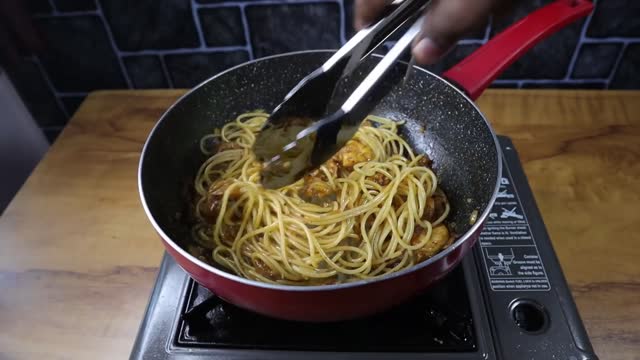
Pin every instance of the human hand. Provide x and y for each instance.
(446, 21)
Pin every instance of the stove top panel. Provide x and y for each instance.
(507, 300)
(438, 321)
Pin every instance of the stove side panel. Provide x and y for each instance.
(530, 304)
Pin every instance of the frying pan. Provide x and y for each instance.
(458, 139)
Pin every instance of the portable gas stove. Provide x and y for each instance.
(507, 300)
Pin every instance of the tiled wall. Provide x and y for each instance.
(112, 44)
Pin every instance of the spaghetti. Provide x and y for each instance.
(373, 209)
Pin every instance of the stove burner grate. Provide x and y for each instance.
(438, 321)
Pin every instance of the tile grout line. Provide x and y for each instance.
(616, 65)
(246, 30)
(114, 47)
(487, 30)
(611, 40)
(576, 50)
(165, 71)
(343, 19)
(52, 88)
(196, 21)
(65, 14)
(551, 81)
(583, 39)
(504, 82)
(264, 2)
(182, 51)
(471, 42)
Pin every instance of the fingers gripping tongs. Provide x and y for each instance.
(313, 122)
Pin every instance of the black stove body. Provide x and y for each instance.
(507, 300)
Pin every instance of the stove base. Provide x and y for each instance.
(507, 300)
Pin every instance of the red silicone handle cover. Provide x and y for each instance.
(476, 72)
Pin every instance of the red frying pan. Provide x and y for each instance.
(458, 139)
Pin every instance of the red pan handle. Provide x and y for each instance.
(476, 72)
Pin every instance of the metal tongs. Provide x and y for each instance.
(315, 120)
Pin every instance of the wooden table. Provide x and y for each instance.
(78, 257)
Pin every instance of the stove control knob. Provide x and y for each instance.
(529, 315)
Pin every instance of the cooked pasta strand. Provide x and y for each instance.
(377, 203)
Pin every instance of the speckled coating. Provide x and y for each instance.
(440, 121)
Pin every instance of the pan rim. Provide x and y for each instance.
(303, 288)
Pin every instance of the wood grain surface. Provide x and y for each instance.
(78, 257)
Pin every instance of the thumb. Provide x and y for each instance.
(445, 22)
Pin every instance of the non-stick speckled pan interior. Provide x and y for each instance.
(456, 136)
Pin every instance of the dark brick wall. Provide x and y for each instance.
(142, 44)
